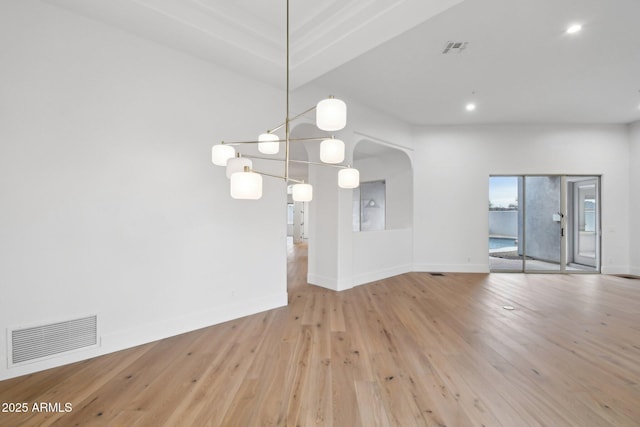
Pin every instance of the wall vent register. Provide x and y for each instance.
(44, 341)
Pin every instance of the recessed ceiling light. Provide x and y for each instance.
(574, 28)
(470, 106)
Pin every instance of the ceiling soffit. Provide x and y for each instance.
(249, 35)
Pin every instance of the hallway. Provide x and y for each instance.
(297, 262)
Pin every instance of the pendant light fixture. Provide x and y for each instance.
(268, 143)
(332, 151)
(237, 164)
(349, 178)
(302, 192)
(246, 182)
(246, 185)
(331, 114)
(221, 153)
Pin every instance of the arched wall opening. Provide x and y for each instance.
(340, 257)
(380, 163)
(387, 251)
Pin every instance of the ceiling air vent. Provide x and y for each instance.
(455, 47)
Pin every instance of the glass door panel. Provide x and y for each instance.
(505, 224)
(543, 223)
(584, 224)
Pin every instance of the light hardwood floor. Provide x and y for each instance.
(413, 350)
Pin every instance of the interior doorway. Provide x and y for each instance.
(297, 219)
(544, 223)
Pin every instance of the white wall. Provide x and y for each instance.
(452, 171)
(634, 197)
(323, 252)
(381, 254)
(110, 203)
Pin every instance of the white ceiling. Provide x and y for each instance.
(250, 35)
(519, 65)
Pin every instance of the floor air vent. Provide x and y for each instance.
(45, 341)
(436, 274)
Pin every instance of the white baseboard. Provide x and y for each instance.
(150, 332)
(634, 271)
(372, 276)
(192, 321)
(615, 269)
(323, 281)
(451, 268)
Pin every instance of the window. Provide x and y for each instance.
(369, 206)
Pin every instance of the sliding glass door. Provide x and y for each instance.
(505, 223)
(544, 223)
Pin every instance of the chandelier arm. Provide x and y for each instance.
(315, 138)
(320, 164)
(292, 119)
(275, 159)
(297, 181)
(267, 174)
(306, 162)
(279, 140)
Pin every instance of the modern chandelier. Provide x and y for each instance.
(246, 182)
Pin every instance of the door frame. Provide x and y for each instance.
(566, 224)
(573, 243)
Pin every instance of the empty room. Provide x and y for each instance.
(339, 213)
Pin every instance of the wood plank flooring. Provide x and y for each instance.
(413, 350)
